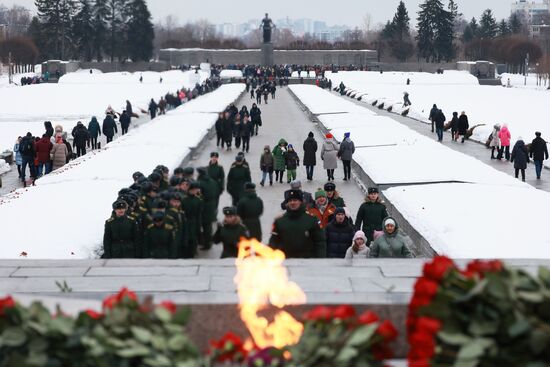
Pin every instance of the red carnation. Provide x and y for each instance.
(429, 325)
(343, 312)
(438, 268)
(319, 313)
(368, 317)
(125, 292)
(426, 287)
(93, 314)
(387, 331)
(6, 303)
(481, 267)
(110, 302)
(422, 345)
(419, 363)
(170, 306)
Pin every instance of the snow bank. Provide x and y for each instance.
(228, 74)
(79, 96)
(518, 81)
(477, 221)
(67, 209)
(484, 215)
(455, 91)
(304, 74)
(4, 167)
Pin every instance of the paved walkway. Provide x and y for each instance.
(282, 118)
(10, 180)
(470, 147)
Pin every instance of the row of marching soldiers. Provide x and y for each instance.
(165, 217)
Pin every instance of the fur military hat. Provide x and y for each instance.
(194, 185)
(294, 194)
(188, 171)
(160, 204)
(202, 171)
(329, 186)
(229, 210)
(214, 154)
(175, 181)
(249, 186)
(154, 177)
(373, 190)
(178, 171)
(158, 216)
(120, 204)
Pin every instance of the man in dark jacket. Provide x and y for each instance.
(297, 233)
(371, 214)
(250, 208)
(228, 129)
(433, 113)
(439, 119)
(256, 116)
(238, 175)
(339, 235)
(247, 130)
(209, 191)
(230, 232)
(153, 107)
(109, 127)
(310, 160)
(193, 208)
(216, 172)
(219, 130)
(307, 196)
(94, 130)
(121, 236)
(463, 125)
(125, 120)
(539, 152)
(345, 153)
(81, 137)
(160, 239)
(28, 152)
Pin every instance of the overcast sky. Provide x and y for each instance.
(348, 12)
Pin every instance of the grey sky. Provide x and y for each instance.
(348, 12)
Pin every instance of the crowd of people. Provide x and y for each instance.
(174, 214)
(51, 151)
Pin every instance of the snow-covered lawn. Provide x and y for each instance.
(524, 110)
(79, 96)
(480, 216)
(519, 81)
(63, 216)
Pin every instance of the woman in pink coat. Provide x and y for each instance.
(505, 137)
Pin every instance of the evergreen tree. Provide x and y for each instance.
(515, 23)
(99, 13)
(474, 27)
(488, 27)
(387, 31)
(503, 28)
(140, 31)
(56, 17)
(401, 46)
(36, 33)
(115, 20)
(83, 31)
(435, 32)
(468, 34)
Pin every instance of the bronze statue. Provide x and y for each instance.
(267, 25)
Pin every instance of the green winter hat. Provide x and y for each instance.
(320, 193)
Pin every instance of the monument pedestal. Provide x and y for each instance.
(267, 54)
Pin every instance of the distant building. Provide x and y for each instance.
(3, 32)
(532, 10)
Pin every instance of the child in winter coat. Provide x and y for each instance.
(495, 141)
(292, 161)
(358, 249)
(266, 165)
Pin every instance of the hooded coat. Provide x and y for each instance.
(310, 150)
(463, 125)
(279, 154)
(43, 149)
(520, 155)
(329, 154)
(393, 245)
(347, 148)
(59, 155)
(109, 126)
(495, 141)
(505, 136)
(93, 128)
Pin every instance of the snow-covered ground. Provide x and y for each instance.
(4, 167)
(480, 216)
(524, 110)
(519, 81)
(79, 96)
(63, 216)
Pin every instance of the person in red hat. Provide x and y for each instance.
(329, 155)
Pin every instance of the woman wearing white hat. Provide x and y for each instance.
(391, 243)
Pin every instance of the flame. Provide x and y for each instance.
(262, 280)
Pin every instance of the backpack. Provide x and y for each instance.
(26, 148)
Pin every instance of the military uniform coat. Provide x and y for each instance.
(250, 208)
(120, 238)
(369, 217)
(239, 174)
(229, 236)
(160, 242)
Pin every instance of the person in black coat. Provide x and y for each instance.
(219, 130)
(81, 137)
(439, 120)
(237, 128)
(433, 113)
(520, 158)
(125, 120)
(228, 129)
(153, 107)
(463, 125)
(310, 160)
(247, 130)
(339, 234)
(49, 128)
(454, 126)
(256, 116)
(539, 152)
(109, 127)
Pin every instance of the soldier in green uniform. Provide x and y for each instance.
(177, 215)
(250, 208)
(193, 208)
(230, 232)
(209, 192)
(239, 174)
(156, 179)
(160, 240)
(121, 236)
(165, 175)
(297, 233)
(371, 214)
(188, 173)
(178, 172)
(333, 196)
(216, 172)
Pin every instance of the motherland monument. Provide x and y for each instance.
(267, 46)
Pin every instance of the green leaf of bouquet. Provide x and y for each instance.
(474, 349)
(475, 291)
(453, 338)
(141, 334)
(158, 361)
(362, 335)
(518, 328)
(177, 342)
(134, 351)
(182, 315)
(346, 354)
(544, 275)
(539, 340)
(163, 314)
(533, 297)
(13, 337)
